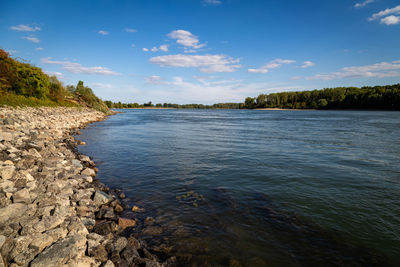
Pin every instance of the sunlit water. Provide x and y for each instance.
(273, 188)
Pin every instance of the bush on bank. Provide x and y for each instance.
(22, 84)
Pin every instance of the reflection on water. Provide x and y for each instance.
(258, 188)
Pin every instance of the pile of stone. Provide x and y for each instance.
(53, 212)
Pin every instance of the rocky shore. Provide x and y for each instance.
(53, 210)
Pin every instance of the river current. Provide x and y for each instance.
(258, 187)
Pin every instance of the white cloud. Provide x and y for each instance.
(78, 68)
(391, 20)
(154, 49)
(363, 4)
(164, 48)
(387, 16)
(144, 49)
(212, 2)
(257, 70)
(55, 73)
(101, 85)
(31, 38)
(25, 28)
(12, 52)
(130, 30)
(308, 64)
(276, 63)
(153, 79)
(39, 48)
(186, 38)
(205, 90)
(206, 63)
(103, 32)
(378, 70)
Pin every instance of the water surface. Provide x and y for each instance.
(259, 188)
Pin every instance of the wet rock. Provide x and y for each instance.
(152, 230)
(133, 242)
(172, 261)
(101, 198)
(118, 208)
(129, 254)
(105, 212)
(125, 223)
(234, 263)
(61, 251)
(149, 220)
(135, 208)
(122, 195)
(99, 253)
(120, 244)
(105, 228)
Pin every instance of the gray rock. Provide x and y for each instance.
(88, 222)
(77, 164)
(101, 198)
(61, 252)
(8, 121)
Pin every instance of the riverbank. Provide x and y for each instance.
(53, 210)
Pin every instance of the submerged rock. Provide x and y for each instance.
(125, 223)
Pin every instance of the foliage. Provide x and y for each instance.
(22, 78)
(111, 104)
(22, 84)
(86, 94)
(377, 97)
(14, 100)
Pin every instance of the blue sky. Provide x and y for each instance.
(206, 51)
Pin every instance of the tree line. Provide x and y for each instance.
(111, 104)
(377, 97)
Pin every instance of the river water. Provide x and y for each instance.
(257, 187)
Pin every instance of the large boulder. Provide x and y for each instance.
(61, 252)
